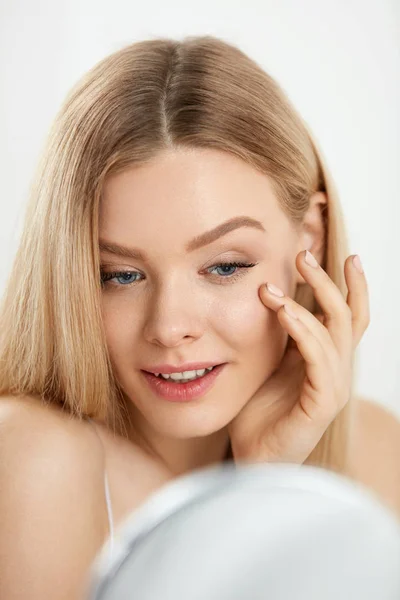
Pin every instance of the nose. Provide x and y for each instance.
(173, 317)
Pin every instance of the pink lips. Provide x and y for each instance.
(183, 392)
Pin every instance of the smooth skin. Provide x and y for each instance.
(53, 517)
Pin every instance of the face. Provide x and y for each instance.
(178, 304)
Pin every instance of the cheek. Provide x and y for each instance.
(250, 329)
(120, 328)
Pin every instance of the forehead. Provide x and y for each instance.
(180, 194)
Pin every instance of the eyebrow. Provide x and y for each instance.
(198, 242)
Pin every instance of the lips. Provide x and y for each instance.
(182, 392)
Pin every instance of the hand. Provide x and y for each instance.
(289, 413)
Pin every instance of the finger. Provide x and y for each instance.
(316, 361)
(314, 323)
(338, 317)
(357, 298)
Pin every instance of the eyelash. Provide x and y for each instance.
(107, 277)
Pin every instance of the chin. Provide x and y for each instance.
(185, 424)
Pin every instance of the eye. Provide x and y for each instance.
(228, 266)
(124, 275)
(230, 271)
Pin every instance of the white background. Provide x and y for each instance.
(339, 62)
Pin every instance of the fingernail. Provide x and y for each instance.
(289, 311)
(357, 263)
(310, 260)
(274, 290)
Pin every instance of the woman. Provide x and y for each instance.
(177, 181)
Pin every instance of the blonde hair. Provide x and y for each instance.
(143, 99)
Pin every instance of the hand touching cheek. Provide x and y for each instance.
(287, 416)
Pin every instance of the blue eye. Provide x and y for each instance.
(232, 265)
(124, 275)
(226, 275)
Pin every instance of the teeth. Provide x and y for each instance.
(184, 374)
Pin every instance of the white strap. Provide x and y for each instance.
(107, 496)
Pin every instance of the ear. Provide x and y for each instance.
(312, 231)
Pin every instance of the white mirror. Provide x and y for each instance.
(255, 532)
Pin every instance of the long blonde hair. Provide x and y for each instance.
(145, 98)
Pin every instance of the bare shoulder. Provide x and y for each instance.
(29, 428)
(51, 520)
(53, 516)
(376, 451)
